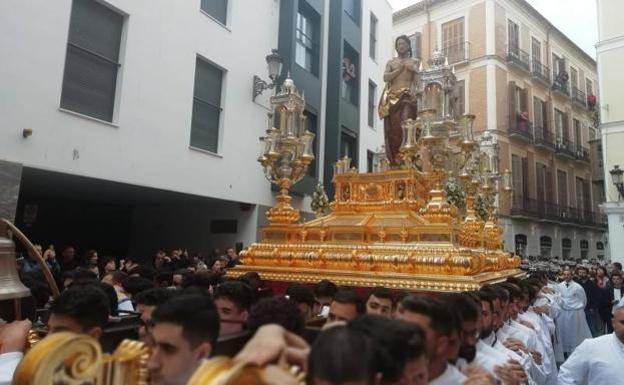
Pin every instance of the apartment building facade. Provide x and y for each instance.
(131, 126)
(610, 58)
(534, 90)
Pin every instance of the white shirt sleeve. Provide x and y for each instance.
(575, 369)
(8, 363)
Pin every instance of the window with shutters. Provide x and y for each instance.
(589, 86)
(352, 9)
(307, 38)
(566, 248)
(513, 36)
(540, 183)
(372, 96)
(517, 181)
(415, 44)
(538, 113)
(453, 40)
(545, 246)
(580, 204)
(557, 65)
(461, 97)
(573, 77)
(372, 45)
(215, 8)
(350, 68)
(536, 50)
(207, 109)
(370, 159)
(92, 60)
(562, 188)
(521, 244)
(559, 125)
(348, 145)
(577, 133)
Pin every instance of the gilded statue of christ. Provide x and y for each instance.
(398, 101)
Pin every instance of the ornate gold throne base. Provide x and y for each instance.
(389, 229)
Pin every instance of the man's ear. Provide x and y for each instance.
(95, 332)
(203, 350)
(245, 315)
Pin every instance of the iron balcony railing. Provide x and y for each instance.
(519, 58)
(544, 138)
(540, 71)
(540, 209)
(522, 129)
(457, 53)
(582, 154)
(579, 97)
(566, 148)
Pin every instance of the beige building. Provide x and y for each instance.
(528, 84)
(610, 57)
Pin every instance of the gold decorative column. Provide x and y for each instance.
(286, 150)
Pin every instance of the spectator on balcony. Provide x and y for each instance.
(523, 121)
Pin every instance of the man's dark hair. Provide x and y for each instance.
(515, 293)
(616, 274)
(618, 265)
(340, 355)
(276, 310)
(164, 278)
(382, 292)
(143, 271)
(407, 40)
(88, 305)
(135, 285)
(465, 306)
(325, 288)
(443, 320)
(196, 314)
(80, 273)
(397, 341)
(579, 268)
(251, 278)
(487, 294)
(349, 297)
(203, 279)
(501, 292)
(155, 297)
(301, 294)
(118, 277)
(238, 292)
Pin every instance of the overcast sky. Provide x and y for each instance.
(575, 18)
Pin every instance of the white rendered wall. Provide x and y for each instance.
(372, 138)
(148, 142)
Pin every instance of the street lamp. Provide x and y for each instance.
(617, 179)
(274, 64)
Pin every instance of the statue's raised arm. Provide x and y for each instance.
(398, 101)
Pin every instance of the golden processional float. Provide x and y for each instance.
(396, 227)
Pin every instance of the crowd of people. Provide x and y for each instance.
(529, 330)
